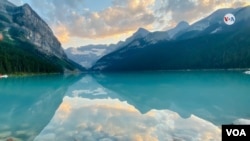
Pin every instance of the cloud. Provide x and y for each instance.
(74, 19)
(193, 10)
(115, 20)
(111, 119)
(62, 33)
(121, 17)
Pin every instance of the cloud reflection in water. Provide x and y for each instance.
(111, 119)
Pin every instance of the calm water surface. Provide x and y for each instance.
(123, 106)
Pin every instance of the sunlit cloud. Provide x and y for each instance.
(234, 4)
(74, 23)
(62, 33)
(193, 10)
(120, 18)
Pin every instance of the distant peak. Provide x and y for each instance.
(141, 32)
(183, 24)
(26, 6)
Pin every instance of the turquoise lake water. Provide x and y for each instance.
(144, 106)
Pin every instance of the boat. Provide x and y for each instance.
(247, 72)
(3, 76)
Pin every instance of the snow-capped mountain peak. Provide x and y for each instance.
(166, 35)
(182, 24)
(179, 27)
(141, 32)
(214, 18)
(89, 54)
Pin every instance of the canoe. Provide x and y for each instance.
(3, 76)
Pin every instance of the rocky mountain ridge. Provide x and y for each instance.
(36, 48)
(207, 44)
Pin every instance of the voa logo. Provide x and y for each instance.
(236, 132)
(229, 19)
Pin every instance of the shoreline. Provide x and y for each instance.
(180, 70)
(132, 71)
(29, 74)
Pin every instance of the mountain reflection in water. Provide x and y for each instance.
(123, 106)
(150, 106)
(29, 103)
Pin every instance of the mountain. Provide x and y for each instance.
(140, 33)
(158, 36)
(212, 24)
(28, 44)
(33, 98)
(88, 55)
(181, 26)
(206, 44)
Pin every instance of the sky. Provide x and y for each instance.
(81, 22)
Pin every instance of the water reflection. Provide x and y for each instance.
(29, 103)
(83, 119)
(150, 106)
(133, 106)
(219, 97)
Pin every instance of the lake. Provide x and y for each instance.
(148, 106)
